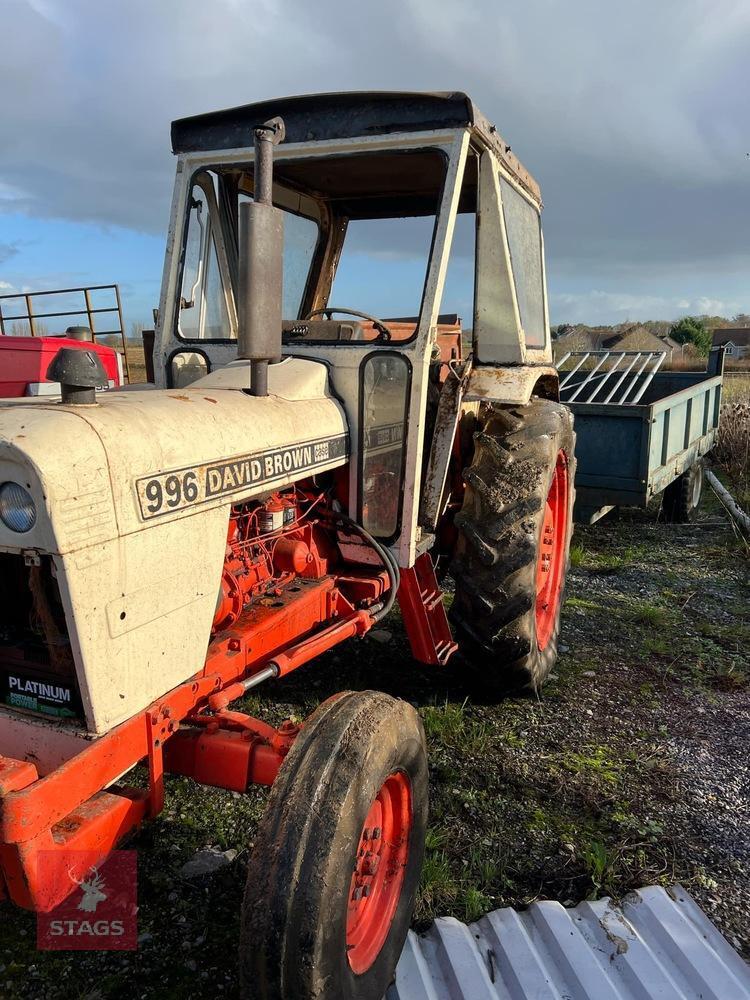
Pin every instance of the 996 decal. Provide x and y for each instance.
(168, 492)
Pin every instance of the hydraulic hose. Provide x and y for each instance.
(387, 557)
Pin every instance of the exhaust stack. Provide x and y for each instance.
(261, 249)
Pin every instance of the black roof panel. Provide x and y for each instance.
(346, 115)
(324, 116)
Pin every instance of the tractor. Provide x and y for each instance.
(301, 464)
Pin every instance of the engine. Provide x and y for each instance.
(270, 543)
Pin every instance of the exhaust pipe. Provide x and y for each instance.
(261, 249)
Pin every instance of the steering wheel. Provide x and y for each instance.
(328, 311)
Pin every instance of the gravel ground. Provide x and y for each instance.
(710, 757)
(697, 696)
(632, 770)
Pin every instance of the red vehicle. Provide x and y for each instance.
(24, 362)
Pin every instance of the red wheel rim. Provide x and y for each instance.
(550, 567)
(378, 877)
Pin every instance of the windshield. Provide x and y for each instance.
(210, 259)
(358, 233)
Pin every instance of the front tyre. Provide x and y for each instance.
(514, 539)
(336, 864)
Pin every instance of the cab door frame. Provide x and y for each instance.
(344, 362)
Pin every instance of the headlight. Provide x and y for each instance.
(17, 509)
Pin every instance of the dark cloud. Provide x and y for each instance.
(7, 250)
(634, 117)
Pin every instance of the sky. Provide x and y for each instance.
(634, 118)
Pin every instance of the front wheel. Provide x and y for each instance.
(514, 538)
(336, 864)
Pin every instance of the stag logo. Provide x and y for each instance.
(100, 910)
(92, 886)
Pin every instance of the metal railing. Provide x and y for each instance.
(31, 316)
(594, 386)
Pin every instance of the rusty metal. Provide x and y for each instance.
(511, 384)
(31, 316)
(444, 436)
(261, 251)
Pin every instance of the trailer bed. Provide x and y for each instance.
(630, 451)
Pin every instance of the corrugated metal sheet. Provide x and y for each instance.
(656, 945)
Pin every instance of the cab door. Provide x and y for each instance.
(384, 394)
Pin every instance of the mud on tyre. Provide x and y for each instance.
(514, 538)
(336, 864)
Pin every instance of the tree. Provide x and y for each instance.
(692, 330)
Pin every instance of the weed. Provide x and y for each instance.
(475, 904)
(646, 613)
(658, 645)
(594, 762)
(451, 724)
(599, 862)
(577, 554)
(584, 605)
(444, 721)
(609, 562)
(436, 838)
(733, 448)
(595, 561)
(438, 888)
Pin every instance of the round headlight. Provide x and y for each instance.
(17, 509)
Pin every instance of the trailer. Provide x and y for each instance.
(640, 431)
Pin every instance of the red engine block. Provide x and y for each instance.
(270, 544)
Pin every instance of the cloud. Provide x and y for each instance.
(596, 307)
(632, 116)
(8, 250)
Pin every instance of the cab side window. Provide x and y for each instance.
(203, 313)
(524, 230)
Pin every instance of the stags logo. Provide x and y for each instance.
(100, 911)
(93, 890)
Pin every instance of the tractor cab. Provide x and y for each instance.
(388, 276)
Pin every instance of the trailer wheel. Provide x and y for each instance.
(680, 499)
(514, 538)
(336, 864)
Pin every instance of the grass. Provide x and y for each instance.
(571, 797)
(595, 763)
(136, 363)
(736, 388)
(732, 451)
(648, 613)
(609, 561)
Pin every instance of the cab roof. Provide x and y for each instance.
(346, 115)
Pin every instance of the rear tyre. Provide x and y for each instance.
(681, 498)
(336, 864)
(514, 538)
